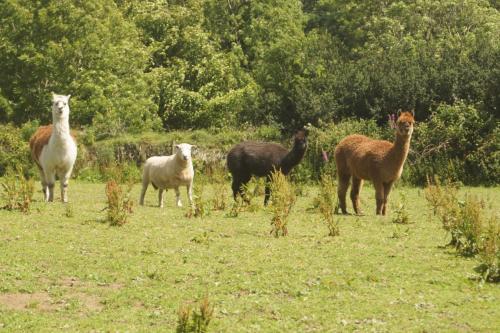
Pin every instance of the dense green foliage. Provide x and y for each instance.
(132, 65)
(341, 65)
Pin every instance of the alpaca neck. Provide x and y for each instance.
(291, 159)
(60, 128)
(400, 149)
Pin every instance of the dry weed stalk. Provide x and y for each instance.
(283, 199)
(326, 201)
(17, 191)
(194, 321)
(119, 203)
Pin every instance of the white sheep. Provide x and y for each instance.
(172, 171)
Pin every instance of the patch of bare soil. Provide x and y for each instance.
(21, 301)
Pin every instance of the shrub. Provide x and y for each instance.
(119, 203)
(327, 200)
(17, 191)
(14, 152)
(458, 143)
(283, 198)
(194, 321)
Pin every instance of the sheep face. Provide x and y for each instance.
(60, 106)
(183, 151)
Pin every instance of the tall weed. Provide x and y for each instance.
(401, 215)
(189, 321)
(119, 203)
(326, 202)
(471, 233)
(283, 198)
(489, 252)
(17, 191)
(218, 179)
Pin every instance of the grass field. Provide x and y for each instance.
(65, 269)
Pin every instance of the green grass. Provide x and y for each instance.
(74, 272)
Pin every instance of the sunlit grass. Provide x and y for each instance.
(75, 272)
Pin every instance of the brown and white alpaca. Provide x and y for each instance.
(380, 161)
(54, 149)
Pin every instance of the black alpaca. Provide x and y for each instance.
(259, 159)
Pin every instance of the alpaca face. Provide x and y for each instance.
(183, 151)
(404, 124)
(60, 106)
(300, 139)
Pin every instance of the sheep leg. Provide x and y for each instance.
(357, 183)
(178, 197)
(342, 191)
(379, 196)
(64, 178)
(189, 190)
(387, 190)
(145, 184)
(50, 177)
(160, 197)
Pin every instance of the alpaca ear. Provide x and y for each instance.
(177, 147)
(399, 113)
(67, 97)
(194, 147)
(412, 113)
(53, 95)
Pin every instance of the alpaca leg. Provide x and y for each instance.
(64, 178)
(160, 197)
(45, 188)
(387, 190)
(178, 197)
(357, 183)
(379, 196)
(236, 186)
(189, 190)
(239, 184)
(342, 191)
(50, 178)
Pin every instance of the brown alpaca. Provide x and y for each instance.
(380, 161)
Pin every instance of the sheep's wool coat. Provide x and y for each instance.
(170, 171)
